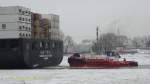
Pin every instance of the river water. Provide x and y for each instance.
(64, 75)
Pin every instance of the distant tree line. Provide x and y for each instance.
(109, 41)
(69, 44)
(106, 42)
(141, 42)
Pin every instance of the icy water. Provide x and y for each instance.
(64, 75)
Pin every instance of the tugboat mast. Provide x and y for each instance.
(97, 44)
(97, 29)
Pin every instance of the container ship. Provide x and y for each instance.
(99, 61)
(28, 39)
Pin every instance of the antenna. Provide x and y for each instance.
(97, 34)
(119, 39)
(97, 29)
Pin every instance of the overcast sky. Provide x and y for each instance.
(79, 18)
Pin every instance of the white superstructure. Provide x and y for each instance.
(15, 22)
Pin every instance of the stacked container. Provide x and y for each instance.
(45, 25)
(15, 22)
(36, 28)
(54, 32)
(20, 22)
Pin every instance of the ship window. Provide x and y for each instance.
(3, 26)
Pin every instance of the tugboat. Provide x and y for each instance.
(109, 59)
(103, 61)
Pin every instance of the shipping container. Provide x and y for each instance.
(15, 18)
(36, 27)
(15, 26)
(13, 10)
(54, 20)
(45, 25)
(15, 34)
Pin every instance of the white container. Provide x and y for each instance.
(15, 18)
(10, 10)
(15, 26)
(14, 34)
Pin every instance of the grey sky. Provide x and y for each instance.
(79, 18)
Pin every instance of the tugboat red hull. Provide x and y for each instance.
(97, 63)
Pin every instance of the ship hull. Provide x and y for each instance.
(99, 63)
(30, 53)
